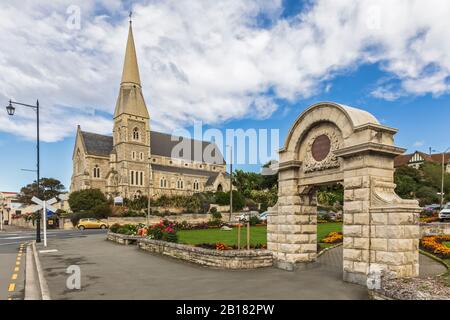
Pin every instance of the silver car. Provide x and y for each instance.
(445, 213)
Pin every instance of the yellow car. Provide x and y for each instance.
(91, 223)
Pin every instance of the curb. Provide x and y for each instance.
(432, 256)
(329, 248)
(36, 287)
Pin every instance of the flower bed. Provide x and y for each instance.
(223, 246)
(333, 237)
(224, 259)
(435, 245)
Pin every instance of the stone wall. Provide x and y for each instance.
(227, 259)
(435, 229)
(191, 218)
(122, 238)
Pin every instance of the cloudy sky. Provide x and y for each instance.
(230, 64)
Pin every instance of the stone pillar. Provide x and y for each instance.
(381, 231)
(292, 225)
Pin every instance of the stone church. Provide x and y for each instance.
(136, 161)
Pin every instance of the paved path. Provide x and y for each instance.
(428, 267)
(112, 271)
(12, 258)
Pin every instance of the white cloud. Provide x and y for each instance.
(418, 143)
(210, 60)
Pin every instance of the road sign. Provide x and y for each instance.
(46, 206)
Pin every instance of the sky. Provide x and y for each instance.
(227, 64)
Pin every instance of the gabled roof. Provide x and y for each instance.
(161, 145)
(406, 158)
(97, 144)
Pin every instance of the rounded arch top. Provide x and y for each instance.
(346, 119)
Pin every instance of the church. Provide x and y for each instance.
(136, 161)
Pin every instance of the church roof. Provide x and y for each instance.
(212, 176)
(161, 145)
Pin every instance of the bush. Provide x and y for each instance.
(165, 231)
(114, 228)
(216, 215)
(131, 213)
(254, 220)
(102, 211)
(128, 229)
(223, 198)
(88, 199)
(213, 210)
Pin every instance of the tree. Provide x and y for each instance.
(48, 188)
(86, 199)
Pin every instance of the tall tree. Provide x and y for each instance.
(48, 188)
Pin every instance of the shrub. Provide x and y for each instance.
(254, 220)
(128, 229)
(216, 215)
(114, 227)
(102, 211)
(165, 231)
(85, 200)
(223, 198)
(131, 213)
(213, 210)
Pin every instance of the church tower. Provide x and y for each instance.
(131, 132)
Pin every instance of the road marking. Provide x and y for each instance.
(10, 298)
(14, 276)
(16, 269)
(17, 263)
(20, 254)
(12, 287)
(48, 251)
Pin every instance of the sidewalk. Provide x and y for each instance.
(112, 271)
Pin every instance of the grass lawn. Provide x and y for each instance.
(258, 235)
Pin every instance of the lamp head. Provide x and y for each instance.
(10, 109)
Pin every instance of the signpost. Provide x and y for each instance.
(44, 205)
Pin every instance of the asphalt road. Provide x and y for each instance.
(12, 257)
(112, 271)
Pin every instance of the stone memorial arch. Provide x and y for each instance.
(333, 143)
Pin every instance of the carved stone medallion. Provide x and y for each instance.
(321, 147)
(319, 150)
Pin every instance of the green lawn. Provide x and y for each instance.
(257, 234)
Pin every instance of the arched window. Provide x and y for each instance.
(141, 156)
(136, 134)
(163, 182)
(132, 177)
(133, 155)
(196, 185)
(180, 184)
(96, 172)
(219, 188)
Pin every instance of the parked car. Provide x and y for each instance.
(263, 216)
(444, 214)
(432, 207)
(246, 215)
(91, 223)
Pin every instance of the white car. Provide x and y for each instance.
(445, 213)
(245, 216)
(263, 216)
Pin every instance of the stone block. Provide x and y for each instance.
(378, 244)
(298, 257)
(397, 218)
(352, 254)
(349, 195)
(361, 243)
(348, 242)
(379, 218)
(361, 267)
(412, 231)
(362, 194)
(361, 218)
(348, 218)
(353, 183)
(297, 238)
(308, 248)
(352, 230)
(390, 258)
(309, 229)
(353, 206)
(395, 245)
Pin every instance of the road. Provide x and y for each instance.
(12, 257)
(112, 271)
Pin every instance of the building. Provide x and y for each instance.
(418, 158)
(135, 158)
(9, 206)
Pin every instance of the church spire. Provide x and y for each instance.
(130, 100)
(130, 72)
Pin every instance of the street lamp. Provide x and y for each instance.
(231, 181)
(442, 178)
(11, 110)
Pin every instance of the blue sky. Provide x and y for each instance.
(401, 77)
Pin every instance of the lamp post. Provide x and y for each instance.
(231, 182)
(11, 110)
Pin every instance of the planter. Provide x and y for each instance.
(223, 259)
